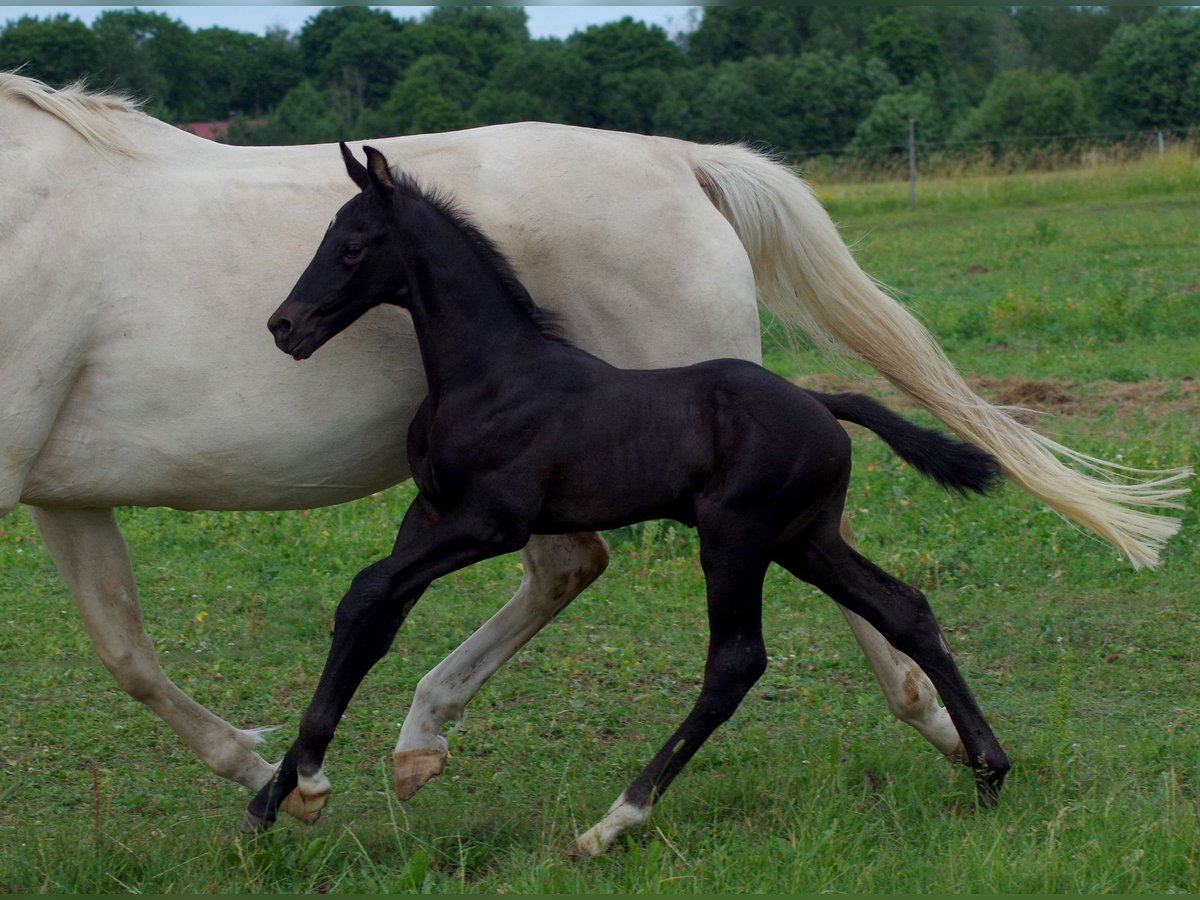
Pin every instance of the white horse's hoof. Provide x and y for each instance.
(305, 807)
(415, 767)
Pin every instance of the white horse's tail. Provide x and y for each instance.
(806, 276)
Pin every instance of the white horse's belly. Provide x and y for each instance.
(252, 429)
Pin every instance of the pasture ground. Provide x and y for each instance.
(1076, 293)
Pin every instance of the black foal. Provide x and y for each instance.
(523, 433)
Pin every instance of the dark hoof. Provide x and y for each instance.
(252, 824)
(988, 782)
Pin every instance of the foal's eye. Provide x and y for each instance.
(352, 252)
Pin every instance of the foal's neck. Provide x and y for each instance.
(470, 320)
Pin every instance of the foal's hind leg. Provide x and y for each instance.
(557, 568)
(909, 693)
(902, 615)
(737, 657)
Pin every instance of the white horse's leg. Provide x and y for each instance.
(90, 553)
(557, 569)
(910, 694)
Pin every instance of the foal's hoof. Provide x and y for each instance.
(415, 767)
(252, 824)
(988, 782)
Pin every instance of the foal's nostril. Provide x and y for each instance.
(280, 327)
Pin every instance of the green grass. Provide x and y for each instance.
(1087, 671)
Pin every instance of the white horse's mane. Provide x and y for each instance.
(95, 115)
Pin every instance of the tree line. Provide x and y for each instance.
(800, 79)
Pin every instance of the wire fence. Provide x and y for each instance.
(997, 155)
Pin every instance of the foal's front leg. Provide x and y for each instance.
(428, 546)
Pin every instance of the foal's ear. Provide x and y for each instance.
(356, 170)
(377, 167)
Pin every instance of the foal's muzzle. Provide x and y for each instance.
(286, 338)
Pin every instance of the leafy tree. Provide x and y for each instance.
(688, 88)
(497, 106)
(492, 31)
(433, 95)
(319, 33)
(366, 60)
(610, 55)
(272, 66)
(543, 79)
(244, 73)
(1147, 77)
(736, 32)
(733, 107)
(154, 56)
(437, 112)
(307, 115)
(630, 100)
(908, 48)
(840, 30)
(626, 45)
(799, 78)
(57, 50)
(885, 129)
(1071, 38)
(976, 43)
(1024, 103)
(824, 97)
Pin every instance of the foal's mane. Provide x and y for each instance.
(95, 115)
(548, 323)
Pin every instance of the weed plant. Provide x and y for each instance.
(1087, 670)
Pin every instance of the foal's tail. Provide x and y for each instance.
(955, 465)
(806, 276)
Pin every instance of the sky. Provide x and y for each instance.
(556, 20)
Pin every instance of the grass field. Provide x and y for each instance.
(1075, 293)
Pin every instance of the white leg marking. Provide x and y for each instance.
(621, 817)
(314, 785)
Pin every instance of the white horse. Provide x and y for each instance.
(139, 264)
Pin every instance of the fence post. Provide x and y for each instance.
(912, 163)
(1160, 143)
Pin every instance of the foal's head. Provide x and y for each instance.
(361, 263)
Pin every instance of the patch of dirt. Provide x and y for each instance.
(1153, 397)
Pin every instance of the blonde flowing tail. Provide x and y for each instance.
(806, 276)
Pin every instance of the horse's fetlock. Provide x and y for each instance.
(439, 703)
